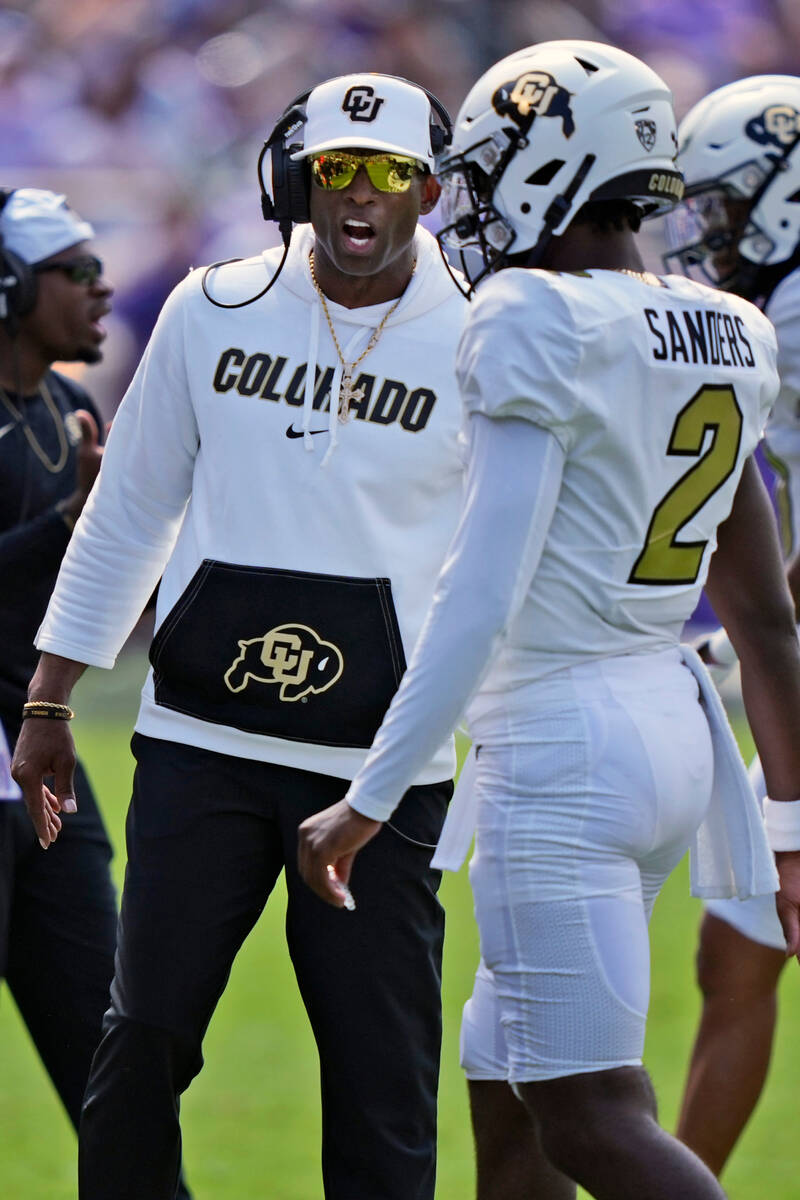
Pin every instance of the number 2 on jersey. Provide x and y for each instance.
(663, 558)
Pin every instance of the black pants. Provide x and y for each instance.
(58, 919)
(208, 836)
(58, 925)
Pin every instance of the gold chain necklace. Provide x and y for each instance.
(63, 445)
(642, 276)
(348, 393)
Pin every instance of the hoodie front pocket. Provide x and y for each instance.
(291, 654)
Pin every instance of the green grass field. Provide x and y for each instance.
(251, 1120)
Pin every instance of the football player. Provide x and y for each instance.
(612, 418)
(739, 229)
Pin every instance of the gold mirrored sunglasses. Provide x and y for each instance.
(335, 170)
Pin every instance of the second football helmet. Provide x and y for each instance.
(738, 150)
(545, 131)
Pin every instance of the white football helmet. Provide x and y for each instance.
(738, 149)
(545, 131)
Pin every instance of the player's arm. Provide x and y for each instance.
(748, 589)
(793, 579)
(717, 650)
(45, 748)
(34, 547)
(513, 481)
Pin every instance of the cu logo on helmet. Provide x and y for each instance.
(361, 103)
(778, 125)
(537, 94)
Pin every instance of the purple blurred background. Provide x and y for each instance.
(150, 114)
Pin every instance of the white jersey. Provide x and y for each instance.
(782, 435)
(657, 392)
(298, 554)
(611, 418)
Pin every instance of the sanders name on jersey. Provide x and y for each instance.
(701, 335)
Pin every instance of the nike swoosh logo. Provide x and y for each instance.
(7, 428)
(291, 432)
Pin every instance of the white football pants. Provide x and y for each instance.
(590, 787)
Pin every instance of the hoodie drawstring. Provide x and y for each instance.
(311, 377)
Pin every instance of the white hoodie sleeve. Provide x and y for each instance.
(512, 488)
(129, 524)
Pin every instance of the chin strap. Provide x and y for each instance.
(559, 208)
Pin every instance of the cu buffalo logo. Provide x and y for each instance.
(292, 657)
(361, 103)
(535, 94)
(778, 125)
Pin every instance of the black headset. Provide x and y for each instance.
(287, 202)
(18, 284)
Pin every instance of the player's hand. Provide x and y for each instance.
(90, 456)
(332, 838)
(44, 749)
(787, 899)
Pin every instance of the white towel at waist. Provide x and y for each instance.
(730, 855)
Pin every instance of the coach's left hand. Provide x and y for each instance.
(332, 838)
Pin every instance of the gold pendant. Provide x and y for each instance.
(348, 393)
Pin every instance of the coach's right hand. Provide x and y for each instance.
(45, 749)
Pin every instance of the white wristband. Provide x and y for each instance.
(782, 823)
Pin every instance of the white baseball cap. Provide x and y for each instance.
(369, 112)
(37, 224)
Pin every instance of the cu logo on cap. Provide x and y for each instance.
(361, 103)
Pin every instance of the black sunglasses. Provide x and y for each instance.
(77, 270)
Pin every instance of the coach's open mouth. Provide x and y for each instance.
(358, 234)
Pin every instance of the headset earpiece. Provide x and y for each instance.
(18, 283)
(441, 132)
(441, 123)
(438, 142)
(286, 201)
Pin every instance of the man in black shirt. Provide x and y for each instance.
(57, 910)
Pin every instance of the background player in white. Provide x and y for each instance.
(612, 416)
(739, 229)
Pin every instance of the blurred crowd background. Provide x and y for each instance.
(150, 114)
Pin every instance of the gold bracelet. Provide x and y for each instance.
(47, 708)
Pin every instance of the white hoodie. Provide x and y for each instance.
(285, 552)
